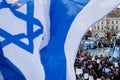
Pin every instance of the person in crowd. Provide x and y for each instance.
(97, 67)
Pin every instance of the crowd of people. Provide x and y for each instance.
(101, 67)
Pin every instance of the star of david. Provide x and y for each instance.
(30, 20)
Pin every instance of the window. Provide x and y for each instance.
(98, 27)
(112, 27)
(116, 22)
(102, 28)
(102, 22)
(112, 22)
(116, 27)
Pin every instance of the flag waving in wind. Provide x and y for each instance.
(40, 38)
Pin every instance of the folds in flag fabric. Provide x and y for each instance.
(21, 31)
(40, 38)
(8, 70)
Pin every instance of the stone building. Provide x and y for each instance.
(110, 23)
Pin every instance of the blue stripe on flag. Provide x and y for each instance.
(18, 38)
(62, 13)
(8, 70)
(30, 20)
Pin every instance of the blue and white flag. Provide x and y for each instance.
(116, 50)
(97, 37)
(116, 53)
(40, 38)
(21, 31)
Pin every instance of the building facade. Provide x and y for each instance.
(110, 23)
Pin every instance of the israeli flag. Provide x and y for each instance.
(40, 38)
(21, 33)
(116, 51)
(97, 37)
